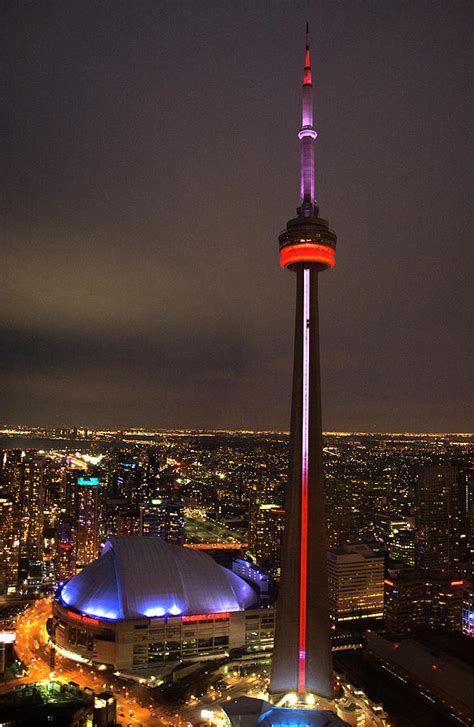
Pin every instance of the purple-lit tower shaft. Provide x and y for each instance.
(302, 659)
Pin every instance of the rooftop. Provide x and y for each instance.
(44, 703)
(442, 676)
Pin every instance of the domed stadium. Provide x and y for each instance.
(145, 600)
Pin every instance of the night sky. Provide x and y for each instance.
(151, 160)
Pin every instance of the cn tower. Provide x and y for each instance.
(302, 662)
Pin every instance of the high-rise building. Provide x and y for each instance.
(151, 476)
(71, 475)
(66, 551)
(31, 519)
(128, 522)
(87, 520)
(343, 515)
(266, 526)
(163, 518)
(166, 484)
(356, 584)
(127, 478)
(8, 546)
(401, 540)
(10, 470)
(444, 603)
(438, 520)
(113, 507)
(467, 521)
(302, 660)
(405, 601)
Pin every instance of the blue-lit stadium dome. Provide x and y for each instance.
(137, 577)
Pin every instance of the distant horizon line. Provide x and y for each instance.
(23, 429)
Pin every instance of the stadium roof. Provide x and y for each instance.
(138, 577)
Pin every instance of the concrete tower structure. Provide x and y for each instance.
(302, 661)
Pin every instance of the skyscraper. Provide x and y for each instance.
(65, 555)
(467, 521)
(8, 549)
(163, 518)
(405, 601)
(266, 528)
(356, 583)
(302, 659)
(87, 520)
(31, 519)
(438, 520)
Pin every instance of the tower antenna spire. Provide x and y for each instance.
(307, 137)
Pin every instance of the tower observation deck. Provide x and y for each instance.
(302, 661)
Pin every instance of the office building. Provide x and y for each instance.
(438, 521)
(151, 477)
(164, 519)
(266, 526)
(399, 535)
(444, 603)
(113, 507)
(467, 521)
(128, 522)
(405, 601)
(126, 480)
(402, 545)
(356, 584)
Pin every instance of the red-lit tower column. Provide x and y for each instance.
(302, 660)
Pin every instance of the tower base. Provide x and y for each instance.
(293, 700)
(253, 712)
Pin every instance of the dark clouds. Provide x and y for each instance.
(151, 161)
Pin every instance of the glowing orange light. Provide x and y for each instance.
(308, 252)
(389, 583)
(207, 617)
(456, 583)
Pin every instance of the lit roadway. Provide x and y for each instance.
(135, 704)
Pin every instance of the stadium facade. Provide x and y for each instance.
(145, 601)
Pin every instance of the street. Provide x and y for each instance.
(32, 646)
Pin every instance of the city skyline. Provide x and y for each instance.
(127, 249)
(231, 491)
